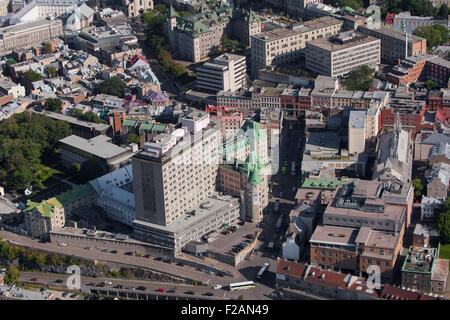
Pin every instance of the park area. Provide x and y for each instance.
(444, 252)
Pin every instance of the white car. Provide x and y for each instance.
(62, 244)
(108, 282)
(217, 286)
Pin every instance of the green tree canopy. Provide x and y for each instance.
(32, 76)
(442, 221)
(443, 11)
(359, 79)
(435, 34)
(53, 104)
(12, 274)
(51, 71)
(113, 86)
(132, 138)
(432, 85)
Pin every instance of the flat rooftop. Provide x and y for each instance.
(394, 34)
(419, 260)
(213, 203)
(99, 146)
(357, 119)
(225, 242)
(334, 235)
(332, 44)
(101, 127)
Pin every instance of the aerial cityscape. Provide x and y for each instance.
(224, 150)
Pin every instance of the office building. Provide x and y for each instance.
(393, 43)
(341, 54)
(285, 45)
(75, 149)
(173, 165)
(226, 72)
(29, 34)
(357, 132)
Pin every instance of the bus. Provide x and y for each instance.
(283, 170)
(262, 270)
(242, 285)
(293, 168)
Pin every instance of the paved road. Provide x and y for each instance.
(150, 286)
(185, 271)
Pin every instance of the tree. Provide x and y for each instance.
(77, 113)
(12, 274)
(442, 221)
(443, 11)
(90, 170)
(74, 169)
(132, 138)
(432, 85)
(360, 79)
(32, 76)
(53, 104)
(418, 187)
(113, 86)
(435, 35)
(10, 61)
(51, 71)
(48, 47)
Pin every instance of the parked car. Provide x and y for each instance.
(118, 287)
(87, 248)
(113, 251)
(142, 288)
(171, 291)
(73, 296)
(209, 294)
(147, 256)
(105, 250)
(65, 293)
(90, 284)
(101, 284)
(180, 264)
(189, 292)
(108, 282)
(130, 288)
(62, 244)
(129, 253)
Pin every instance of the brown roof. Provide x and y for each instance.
(290, 268)
(326, 278)
(395, 293)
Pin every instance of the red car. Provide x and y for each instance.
(161, 290)
(147, 256)
(34, 279)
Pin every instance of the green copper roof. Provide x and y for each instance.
(146, 127)
(129, 123)
(47, 207)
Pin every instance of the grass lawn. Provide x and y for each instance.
(444, 253)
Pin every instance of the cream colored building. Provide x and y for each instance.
(339, 55)
(226, 72)
(168, 183)
(134, 8)
(27, 35)
(356, 132)
(284, 45)
(4, 7)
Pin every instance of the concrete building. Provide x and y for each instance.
(29, 34)
(16, 293)
(75, 149)
(339, 55)
(226, 72)
(285, 45)
(227, 118)
(297, 8)
(393, 43)
(356, 132)
(424, 271)
(42, 9)
(428, 206)
(8, 87)
(171, 166)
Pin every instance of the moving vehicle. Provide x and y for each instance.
(209, 294)
(189, 292)
(261, 271)
(171, 291)
(293, 168)
(108, 282)
(283, 170)
(242, 285)
(90, 284)
(217, 286)
(142, 288)
(161, 290)
(58, 281)
(87, 248)
(118, 286)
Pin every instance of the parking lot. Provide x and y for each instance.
(234, 242)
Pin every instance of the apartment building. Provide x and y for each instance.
(243, 99)
(409, 113)
(197, 35)
(428, 206)
(438, 70)
(226, 72)
(29, 34)
(284, 45)
(393, 43)
(424, 271)
(338, 55)
(296, 100)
